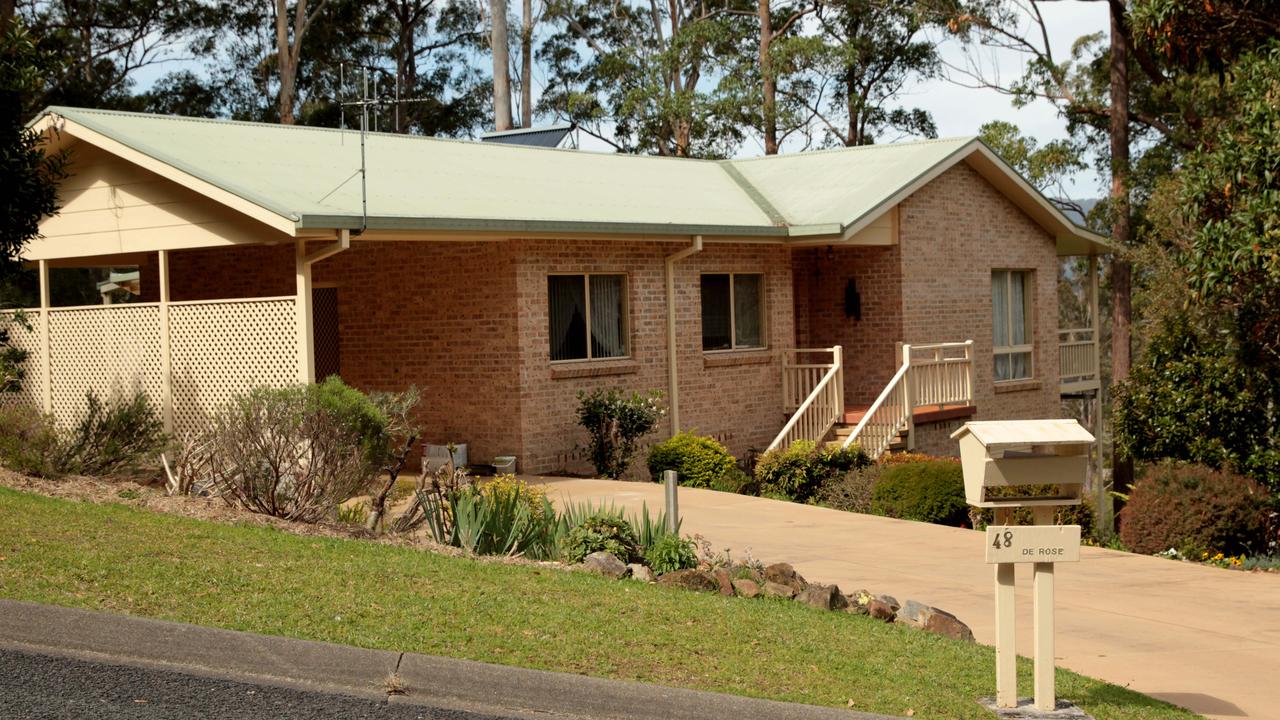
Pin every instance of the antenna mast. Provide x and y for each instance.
(365, 103)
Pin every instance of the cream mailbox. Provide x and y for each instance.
(1036, 464)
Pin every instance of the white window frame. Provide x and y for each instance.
(1028, 306)
(586, 289)
(733, 315)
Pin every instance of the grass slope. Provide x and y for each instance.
(118, 559)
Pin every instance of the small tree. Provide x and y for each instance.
(616, 422)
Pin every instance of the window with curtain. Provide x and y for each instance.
(732, 311)
(587, 316)
(1011, 323)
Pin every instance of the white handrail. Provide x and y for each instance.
(891, 403)
(823, 406)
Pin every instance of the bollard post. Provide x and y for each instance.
(673, 508)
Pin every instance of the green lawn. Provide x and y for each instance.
(118, 559)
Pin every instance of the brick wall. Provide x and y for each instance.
(467, 323)
(954, 232)
(735, 396)
(869, 344)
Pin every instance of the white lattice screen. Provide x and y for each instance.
(113, 350)
(219, 349)
(32, 387)
(216, 350)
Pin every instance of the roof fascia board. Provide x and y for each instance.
(172, 170)
(527, 227)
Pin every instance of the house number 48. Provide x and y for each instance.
(1006, 539)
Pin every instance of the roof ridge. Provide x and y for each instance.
(857, 148)
(72, 111)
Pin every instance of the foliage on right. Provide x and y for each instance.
(1194, 509)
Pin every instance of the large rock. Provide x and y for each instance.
(823, 597)
(724, 581)
(640, 572)
(944, 623)
(694, 579)
(881, 610)
(747, 588)
(773, 589)
(934, 620)
(784, 574)
(603, 563)
(914, 614)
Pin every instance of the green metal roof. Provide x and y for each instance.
(311, 176)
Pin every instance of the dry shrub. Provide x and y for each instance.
(1192, 508)
(292, 453)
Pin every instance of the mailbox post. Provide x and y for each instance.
(1008, 464)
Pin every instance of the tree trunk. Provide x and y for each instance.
(526, 66)
(770, 83)
(1122, 470)
(501, 66)
(7, 10)
(286, 60)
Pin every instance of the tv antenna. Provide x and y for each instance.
(366, 102)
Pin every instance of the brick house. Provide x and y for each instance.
(877, 295)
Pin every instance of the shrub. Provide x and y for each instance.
(1194, 509)
(700, 461)
(649, 528)
(671, 553)
(736, 481)
(616, 422)
(930, 491)
(111, 438)
(504, 517)
(798, 472)
(850, 491)
(293, 452)
(29, 442)
(602, 532)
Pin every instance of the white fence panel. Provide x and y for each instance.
(223, 348)
(31, 390)
(113, 351)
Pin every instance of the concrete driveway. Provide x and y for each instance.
(1201, 637)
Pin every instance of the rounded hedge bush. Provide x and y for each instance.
(602, 532)
(930, 492)
(701, 461)
(1193, 509)
(799, 472)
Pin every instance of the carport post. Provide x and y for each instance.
(306, 340)
(166, 361)
(46, 359)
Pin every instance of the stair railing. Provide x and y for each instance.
(889, 415)
(821, 408)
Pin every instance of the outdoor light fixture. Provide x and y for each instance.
(852, 300)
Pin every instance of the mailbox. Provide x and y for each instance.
(1002, 459)
(1007, 464)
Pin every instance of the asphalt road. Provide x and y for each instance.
(44, 686)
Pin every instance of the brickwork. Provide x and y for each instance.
(954, 232)
(467, 323)
(869, 344)
(734, 396)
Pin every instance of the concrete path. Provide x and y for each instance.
(443, 688)
(1201, 637)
